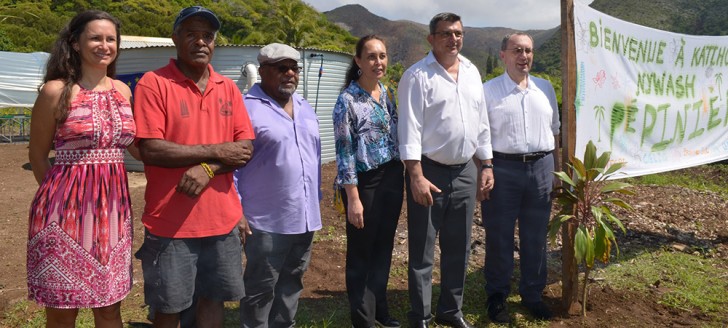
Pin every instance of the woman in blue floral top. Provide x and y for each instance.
(370, 177)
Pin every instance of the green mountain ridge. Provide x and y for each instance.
(28, 26)
(32, 25)
(406, 39)
(701, 17)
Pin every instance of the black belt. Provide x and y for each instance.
(527, 157)
(428, 160)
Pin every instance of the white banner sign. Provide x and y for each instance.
(655, 99)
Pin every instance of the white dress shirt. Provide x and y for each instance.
(443, 119)
(522, 120)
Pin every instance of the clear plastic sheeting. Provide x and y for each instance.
(20, 76)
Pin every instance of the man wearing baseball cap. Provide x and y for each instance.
(192, 130)
(280, 189)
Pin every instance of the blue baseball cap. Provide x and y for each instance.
(197, 11)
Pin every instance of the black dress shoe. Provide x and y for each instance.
(498, 309)
(419, 323)
(457, 322)
(387, 322)
(538, 310)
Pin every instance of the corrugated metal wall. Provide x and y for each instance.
(229, 61)
(323, 94)
(139, 60)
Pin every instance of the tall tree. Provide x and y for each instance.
(294, 26)
(5, 43)
(33, 25)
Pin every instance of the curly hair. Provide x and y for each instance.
(64, 63)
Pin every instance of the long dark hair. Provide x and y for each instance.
(353, 73)
(64, 62)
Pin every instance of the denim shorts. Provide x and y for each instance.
(178, 269)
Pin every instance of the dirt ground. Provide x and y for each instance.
(670, 217)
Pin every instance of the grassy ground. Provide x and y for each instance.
(683, 281)
(688, 283)
(327, 312)
(715, 181)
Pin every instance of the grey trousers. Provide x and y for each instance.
(275, 264)
(451, 215)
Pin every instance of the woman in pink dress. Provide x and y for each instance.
(80, 225)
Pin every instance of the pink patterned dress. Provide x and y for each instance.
(80, 226)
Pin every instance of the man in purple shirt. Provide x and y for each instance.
(280, 189)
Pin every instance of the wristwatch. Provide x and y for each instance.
(486, 166)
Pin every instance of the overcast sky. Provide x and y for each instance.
(517, 14)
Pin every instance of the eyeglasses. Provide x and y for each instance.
(519, 50)
(283, 69)
(447, 34)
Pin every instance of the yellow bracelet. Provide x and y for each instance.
(208, 170)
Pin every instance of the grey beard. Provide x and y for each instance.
(286, 91)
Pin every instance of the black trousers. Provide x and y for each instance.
(369, 250)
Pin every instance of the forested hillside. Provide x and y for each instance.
(31, 25)
(407, 43)
(27, 26)
(702, 17)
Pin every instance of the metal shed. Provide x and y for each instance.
(320, 89)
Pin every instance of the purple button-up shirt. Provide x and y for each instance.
(280, 187)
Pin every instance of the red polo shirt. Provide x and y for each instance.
(169, 106)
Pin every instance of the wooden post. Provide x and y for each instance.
(570, 270)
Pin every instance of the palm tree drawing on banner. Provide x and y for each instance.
(718, 82)
(599, 115)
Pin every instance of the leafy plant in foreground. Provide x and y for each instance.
(585, 202)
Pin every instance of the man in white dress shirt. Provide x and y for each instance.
(524, 121)
(444, 135)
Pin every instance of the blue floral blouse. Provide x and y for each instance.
(365, 131)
